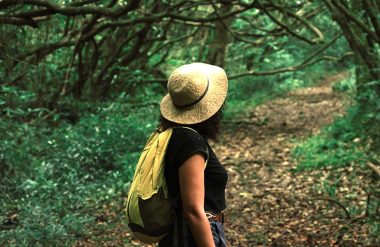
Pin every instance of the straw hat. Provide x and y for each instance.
(196, 92)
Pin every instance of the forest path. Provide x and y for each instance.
(268, 205)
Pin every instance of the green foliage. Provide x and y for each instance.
(54, 180)
(350, 141)
(347, 85)
(323, 150)
(337, 145)
(349, 138)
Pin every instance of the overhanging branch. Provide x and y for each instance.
(307, 62)
(284, 26)
(319, 35)
(74, 9)
(272, 72)
(18, 21)
(291, 68)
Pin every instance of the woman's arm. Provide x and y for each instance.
(191, 181)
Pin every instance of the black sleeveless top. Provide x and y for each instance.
(183, 144)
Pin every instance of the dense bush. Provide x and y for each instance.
(53, 180)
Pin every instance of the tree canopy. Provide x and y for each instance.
(94, 46)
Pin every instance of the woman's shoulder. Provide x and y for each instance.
(186, 134)
(187, 138)
(184, 143)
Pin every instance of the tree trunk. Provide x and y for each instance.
(362, 44)
(218, 46)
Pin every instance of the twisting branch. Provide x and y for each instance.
(307, 62)
(8, 3)
(113, 59)
(44, 50)
(284, 26)
(374, 168)
(172, 41)
(360, 24)
(303, 20)
(336, 202)
(74, 9)
(273, 72)
(373, 18)
(18, 21)
(232, 32)
(209, 19)
(291, 68)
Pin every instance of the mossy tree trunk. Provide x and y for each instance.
(360, 24)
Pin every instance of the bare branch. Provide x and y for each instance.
(284, 26)
(303, 20)
(232, 32)
(307, 62)
(7, 3)
(209, 19)
(373, 18)
(336, 202)
(18, 21)
(374, 168)
(291, 68)
(273, 72)
(74, 9)
(172, 41)
(353, 18)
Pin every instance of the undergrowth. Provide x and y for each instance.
(344, 149)
(53, 180)
(349, 138)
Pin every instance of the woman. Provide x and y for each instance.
(196, 93)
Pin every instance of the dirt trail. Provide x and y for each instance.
(268, 205)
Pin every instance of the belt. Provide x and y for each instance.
(220, 217)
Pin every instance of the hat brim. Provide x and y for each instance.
(205, 108)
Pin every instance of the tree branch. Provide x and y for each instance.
(285, 26)
(336, 202)
(172, 41)
(290, 68)
(360, 24)
(18, 21)
(373, 18)
(307, 62)
(78, 9)
(303, 20)
(232, 32)
(374, 168)
(209, 19)
(272, 72)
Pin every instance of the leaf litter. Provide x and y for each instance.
(268, 204)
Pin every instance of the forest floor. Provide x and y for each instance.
(268, 203)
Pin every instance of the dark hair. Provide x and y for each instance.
(208, 129)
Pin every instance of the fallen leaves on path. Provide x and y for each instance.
(268, 205)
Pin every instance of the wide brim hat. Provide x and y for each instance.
(196, 92)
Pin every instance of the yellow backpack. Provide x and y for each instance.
(149, 211)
